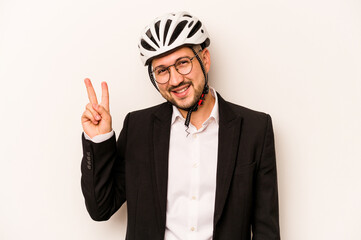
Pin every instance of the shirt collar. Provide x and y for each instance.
(176, 115)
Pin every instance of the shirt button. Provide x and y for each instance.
(192, 229)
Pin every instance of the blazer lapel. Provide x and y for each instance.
(228, 142)
(161, 135)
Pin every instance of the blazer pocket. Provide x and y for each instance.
(244, 169)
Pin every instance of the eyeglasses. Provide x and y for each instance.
(183, 66)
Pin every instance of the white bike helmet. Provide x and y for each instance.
(170, 32)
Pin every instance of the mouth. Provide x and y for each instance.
(182, 91)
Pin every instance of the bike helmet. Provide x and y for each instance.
(169, 32)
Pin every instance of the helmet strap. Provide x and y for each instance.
(202, 98)
(151, 76)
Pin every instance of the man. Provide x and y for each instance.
(195, 167)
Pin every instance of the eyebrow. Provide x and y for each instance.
(171, 64)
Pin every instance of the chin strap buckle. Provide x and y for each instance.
(200, 102)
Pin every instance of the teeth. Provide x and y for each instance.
(180, 91)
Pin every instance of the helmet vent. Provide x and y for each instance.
(167, 25)
(156, 26)
(146, 45)
(195, 29)
(190, 24)
(149, 34)
(178, 29)
(187, 15)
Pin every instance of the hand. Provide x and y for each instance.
(96, 118)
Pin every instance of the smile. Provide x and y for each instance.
(182, 90)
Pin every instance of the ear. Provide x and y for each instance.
(206, 58)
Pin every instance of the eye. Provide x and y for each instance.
(182, 62)
(161, 71)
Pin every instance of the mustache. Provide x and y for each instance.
(179, 85)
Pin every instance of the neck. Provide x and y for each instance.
(204, 111)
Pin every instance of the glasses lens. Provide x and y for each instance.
(184, 65)
(161, 74)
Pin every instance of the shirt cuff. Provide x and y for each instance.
(99, 138)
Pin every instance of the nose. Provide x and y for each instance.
(175, 77)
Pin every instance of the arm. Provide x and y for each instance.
(103, 175)
(265, 224)
(102, 166)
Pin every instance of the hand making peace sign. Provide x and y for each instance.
(96, 118)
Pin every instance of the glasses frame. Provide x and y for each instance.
(173, 65)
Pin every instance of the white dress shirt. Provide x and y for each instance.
(191, 176)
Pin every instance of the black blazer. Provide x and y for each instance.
(135, 169)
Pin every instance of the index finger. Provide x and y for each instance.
(91, 93)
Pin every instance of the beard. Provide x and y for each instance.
(185, 106)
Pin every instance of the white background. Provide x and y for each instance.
(299, 61)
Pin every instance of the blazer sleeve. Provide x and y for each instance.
(265, 224)
(103, 175)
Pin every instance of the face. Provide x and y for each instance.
(183, 91)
